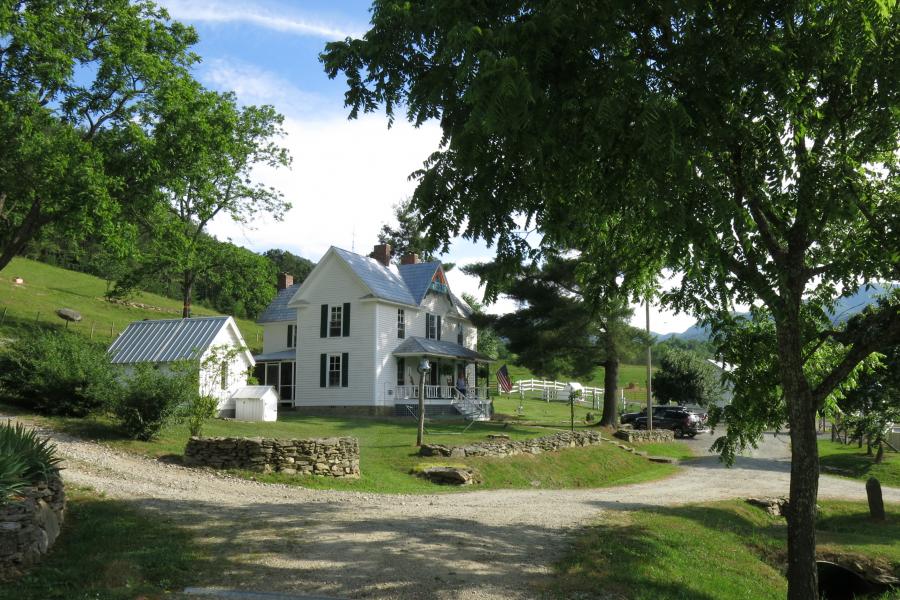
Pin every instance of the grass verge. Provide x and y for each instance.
(858, 465)
(721, 550)
(108, 550)
(388, 452)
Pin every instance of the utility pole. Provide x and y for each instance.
(649, 374)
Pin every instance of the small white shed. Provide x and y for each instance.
(256, 403)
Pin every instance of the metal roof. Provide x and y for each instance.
(384, 282)
(278, 310)
(166, 340)
(417, 278)
(418, 345)
(253, 391)
(276, 356)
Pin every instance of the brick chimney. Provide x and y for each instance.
(382, 253)
(285, 280)
(409, 259)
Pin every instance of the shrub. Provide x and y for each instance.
(57, 372)
(198, 411)
(152, 398)
(25, 458)
(686, 378)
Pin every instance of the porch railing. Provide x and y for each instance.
(438, 392)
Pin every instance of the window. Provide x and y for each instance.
(432, 327)
(292, 336)
(401, 324)
(459, 334)
(335, 324)
(286, 381)
(401, 371)
(223, 382)
(334, 370)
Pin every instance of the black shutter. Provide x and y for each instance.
(345, 369)
(323, 369)
(439, 327)
(290, 336)
(323, 328)
(346, 331)
(428, 318)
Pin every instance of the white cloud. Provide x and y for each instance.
(228, 12)
(258, 86)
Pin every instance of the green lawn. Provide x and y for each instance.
(854, 460)
(109, 550)
(49, 288)
(723, 550)
(388, 453)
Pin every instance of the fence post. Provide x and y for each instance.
(92, 330)
(37, 317)
(3, 318)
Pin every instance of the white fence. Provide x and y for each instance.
(555, 391)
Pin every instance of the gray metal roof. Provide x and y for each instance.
(253, 391)
(278, 310)
(384, 283)
(276, 356)
(418, 277)
(419, 345)
(166, 340)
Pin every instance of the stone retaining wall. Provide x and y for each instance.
(29, 525)
(327, 457)
(502, 447)
(636, 436)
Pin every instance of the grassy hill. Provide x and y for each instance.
(47, 288)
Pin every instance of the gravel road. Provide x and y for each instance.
(476, 545)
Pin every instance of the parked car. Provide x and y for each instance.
(682, 421)
(632, 416)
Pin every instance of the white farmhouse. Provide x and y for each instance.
(353, 335)
(204, 341)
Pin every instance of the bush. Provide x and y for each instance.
(198, 411)
(152, 398)
(686, 378)
(57, 372)
(25, 459)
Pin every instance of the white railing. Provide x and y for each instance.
(437, 392)
(555, 391)
(471, 407)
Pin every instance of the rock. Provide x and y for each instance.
(777, 507)
(663, 459)
(67, 314)
(449, 475)
(434, 450)
(497, 436)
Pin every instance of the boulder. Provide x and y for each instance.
(67, 314)
(777, 507)
(449, 475)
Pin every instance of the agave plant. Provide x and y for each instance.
(25, 458)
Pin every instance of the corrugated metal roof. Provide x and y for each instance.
(419, 345)
(253, 391)
(166, 340)
(278, 310)
(383, 282)
(418, 277)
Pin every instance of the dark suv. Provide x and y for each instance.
(633, 416)
(677, 418)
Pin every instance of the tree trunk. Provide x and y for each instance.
(187, 290)
(802, 576)
(610, 383)
(879, 455)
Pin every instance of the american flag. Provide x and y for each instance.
(503, 379)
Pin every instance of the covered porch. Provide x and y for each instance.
(452, 378)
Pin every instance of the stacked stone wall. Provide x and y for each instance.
(326, 457)
(502, 447)
(29, 525)
(636, 436)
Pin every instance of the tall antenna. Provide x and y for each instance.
(353, 241)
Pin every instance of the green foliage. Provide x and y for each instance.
(685, 378)
(152, 398)
(25, 458)
(287, 262)
(74, 81)
(57, 372)
(197, 411)
(409, 237)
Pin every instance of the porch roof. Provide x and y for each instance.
(418, 346)
(276, 356)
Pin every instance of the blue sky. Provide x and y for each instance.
(346, 175)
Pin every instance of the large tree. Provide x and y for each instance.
(207, 148)
(760, 139)
(75, 77)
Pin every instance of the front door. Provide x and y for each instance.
(433, 375)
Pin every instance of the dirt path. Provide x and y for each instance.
(490, 544)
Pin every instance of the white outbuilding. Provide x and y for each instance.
(214, 344)
(256, 403)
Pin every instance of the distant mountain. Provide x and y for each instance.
(845, 308)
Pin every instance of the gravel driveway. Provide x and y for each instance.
(487, 544)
